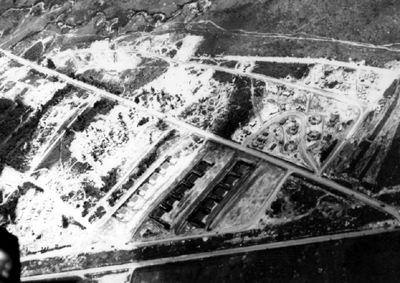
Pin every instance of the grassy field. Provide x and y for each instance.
(355, 20)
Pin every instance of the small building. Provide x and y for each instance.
(154, 178)
(163, 168)
(173, 161)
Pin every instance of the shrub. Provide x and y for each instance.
(64, 221)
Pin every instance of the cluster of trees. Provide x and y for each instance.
(109, 181)
(161, 125)
(117, 194)
(102, 106)
(237, 111)
(86, 206)
(27, 186)
(91, 191)
(390, 91)
(11, 115)
(143, 121)
(8, 209)
(282, 70)
(50, 64)
(88, 78)
(18, 145)
(145, 163)
(151, 157)
(99, 213)
(164, 99)
(64, 221)
(35, 52)
(139, 171)
(2, 164)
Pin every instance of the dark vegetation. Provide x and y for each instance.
(35, 52)
(6, 5)
(322, 213)
(64, 221)
(359, 163)
(141, 168)
(161, 125)
(81, 14)
(390, 164)
(2, 164)
(392, 198)
(99, 213)
(35, 75)
(26, 186)
(236, 112)
(109, 180)
(229, 64)
(60, 152)
(388, 94)
(325, 152)
(318, 224)
(81, 167)
(166, 101)
(50, 64)
(15, 149)
(7, 209)
(282, 70)
(131, 79)
(223, 77)
(151, 69)
(143, 121)
(364, 259)
(391, 90)
(151, 157)
(11, 115)
(389, 172)
(91, 191)
(217, 42)
(65, 280)
(47, 249)
(358, 20)
(102, 107)
(117, 194)
(94, 78)
(80, 42)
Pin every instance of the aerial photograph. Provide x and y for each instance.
(205, 141)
